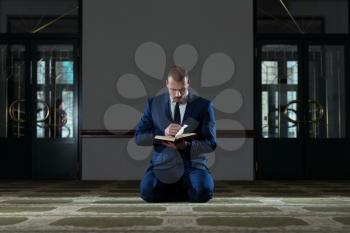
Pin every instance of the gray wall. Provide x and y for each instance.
(127, 47)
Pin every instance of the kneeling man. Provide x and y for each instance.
(177, 171)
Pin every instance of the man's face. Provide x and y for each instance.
(177, 90)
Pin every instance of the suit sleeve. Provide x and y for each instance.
(207, 143)
(144, 132)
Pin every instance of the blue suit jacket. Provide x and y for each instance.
(200, 118)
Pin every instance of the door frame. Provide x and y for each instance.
(29, 41)
(59, 165)
(291, 157)
(319, 150)
(303, 41)
(15, 149)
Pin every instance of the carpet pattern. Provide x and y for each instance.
(256, 206)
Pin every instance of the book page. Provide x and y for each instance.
(166, 138)
(181, 131)
(185, 135)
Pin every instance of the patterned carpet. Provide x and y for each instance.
(259, 206)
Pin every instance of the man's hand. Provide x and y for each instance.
(172, 129)
(178, 146)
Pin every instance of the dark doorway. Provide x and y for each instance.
(39, 108)
(302, 101)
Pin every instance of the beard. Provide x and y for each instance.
(177, 99)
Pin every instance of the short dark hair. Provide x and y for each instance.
(177, 73)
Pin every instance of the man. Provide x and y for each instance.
(177, 172)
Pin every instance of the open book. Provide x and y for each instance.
(179, 135)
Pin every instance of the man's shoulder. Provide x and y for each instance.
(200, 99)
(158, 99)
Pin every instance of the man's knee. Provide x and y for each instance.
(147, 188)
(147, 192)
(200, 194)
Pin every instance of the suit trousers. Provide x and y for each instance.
(195, 185)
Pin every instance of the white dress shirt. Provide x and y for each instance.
(182, 106)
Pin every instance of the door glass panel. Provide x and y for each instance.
(12, 91)
(65, 74)
(292, 114)
(55, 92)
(68, 100)
(292, 72)
(326, 116)
(40, 114)
(41, 72)
(269, 72)
(279, 85)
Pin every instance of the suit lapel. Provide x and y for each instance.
(188, 107)
(167, 106)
